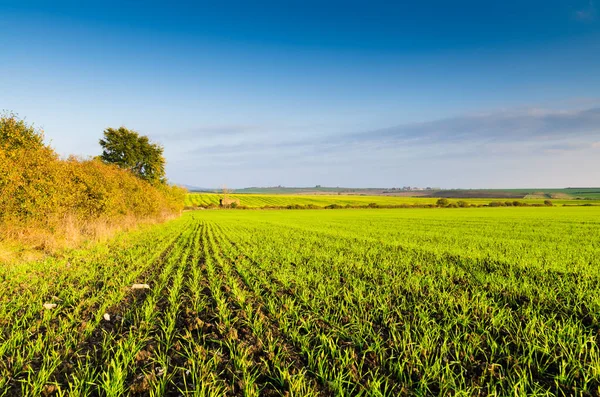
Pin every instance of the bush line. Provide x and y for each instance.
(48, 202)
(459, 204)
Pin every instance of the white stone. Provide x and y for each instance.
(140, 286)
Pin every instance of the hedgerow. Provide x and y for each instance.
(46, 200)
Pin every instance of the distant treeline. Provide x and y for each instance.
(47, 201)
(441, 203)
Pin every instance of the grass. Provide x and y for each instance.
(23, 243)
(280, 200)
(477, 301)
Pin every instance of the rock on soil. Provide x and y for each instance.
(140, 286)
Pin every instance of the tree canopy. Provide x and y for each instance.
(134, 152)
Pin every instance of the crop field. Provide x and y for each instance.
(280, 200)
(551, 193)
(381, 302)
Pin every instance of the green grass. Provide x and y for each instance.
(495, 301)
(280, 200)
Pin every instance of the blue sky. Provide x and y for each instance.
(372, 94)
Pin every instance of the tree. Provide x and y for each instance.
(134, 152)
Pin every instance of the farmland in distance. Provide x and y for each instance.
(323, 200)
(490, 301)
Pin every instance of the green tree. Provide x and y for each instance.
(134, 152)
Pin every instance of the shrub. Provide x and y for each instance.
(15, 134)
(548, 203)
(443, 202)
(462, 204)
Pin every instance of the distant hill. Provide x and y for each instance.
(332, 190)
(574, 193)
(533, 193)
(198, 189)
(550, 193)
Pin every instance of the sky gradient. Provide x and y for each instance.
(357, 94)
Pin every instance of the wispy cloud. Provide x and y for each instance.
(445, 152)
(501, 133)
(500, 127)
(567, 147)
(209, 131)
(586, 14)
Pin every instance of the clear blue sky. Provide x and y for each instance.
(437, 93)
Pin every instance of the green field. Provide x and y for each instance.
(592, 193)
(281, 200)
(481, 301)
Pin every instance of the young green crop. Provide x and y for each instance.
(495, 301)
(322, 200)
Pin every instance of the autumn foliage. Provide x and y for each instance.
(46, 200)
